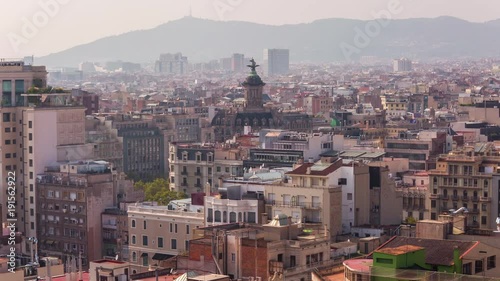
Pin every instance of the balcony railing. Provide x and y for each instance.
(445, 197)
(475, 199)
(474, 211)
(485, 199)
(306, 205)
(198, 174)
(465, 198)
(455, 197)
(184, 173)
(184, 184)
(433, 196)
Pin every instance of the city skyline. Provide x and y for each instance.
(64, 19)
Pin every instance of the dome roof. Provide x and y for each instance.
(253, 80)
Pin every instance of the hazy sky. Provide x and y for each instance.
(28, 29)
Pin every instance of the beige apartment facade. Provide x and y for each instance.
(158, 233)
(467, 178)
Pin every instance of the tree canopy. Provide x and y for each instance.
(159, 191)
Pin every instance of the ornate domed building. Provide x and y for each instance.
(228, 122)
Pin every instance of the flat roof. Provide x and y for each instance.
(208, 277)
(400, 250)
(352, 153)
(359, 265)
(373, 154)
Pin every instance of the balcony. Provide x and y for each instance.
(303, 205)
(198, 185)
(434, 196)
(199, 174)
(455, 197)
(445, 197)
(485, 199)
(474, 211)
(184, 184)
(475, 199)
(184, 173)
(465, 198)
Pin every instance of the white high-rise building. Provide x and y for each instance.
(402, 65)
(276, 61)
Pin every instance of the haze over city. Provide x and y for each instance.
(250, 140)
(79, 22)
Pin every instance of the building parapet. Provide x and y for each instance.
(162, 210)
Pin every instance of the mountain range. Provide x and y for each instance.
(327, 40)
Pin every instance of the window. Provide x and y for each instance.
(7, 142)
(349, 196)
(133, 240)
(7, 130)
(384, 261)
(144, 225)
(144, 240)
(30, 149)
(187, 229)
(171, 227)
(30, 136)
(251, 217)
(433, 203)
(175, 227)
(6, 117)
(133, 223)
(173, 244)
(186, 244)
(134, 256)
(217, 216)
(233, 257)
(478, 266)
(484, 219)
(467, 268)
(491, 262)
(30, 124)
(210, 217)
(218, 169)
(227, 169)
(342, 181)
(160, 242)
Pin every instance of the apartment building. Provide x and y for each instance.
(235, 203)
(157, 233)
(107, 145)
(276, 61)
(115, 238)
(415, 191)
(37, 130)
(193, 167)
(311, 196)
(143, 146)
(421, 149)
(171, 64)
(468, 178)
(71, 198)
(312, 144)
(280, 249)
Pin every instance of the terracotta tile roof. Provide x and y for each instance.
(437, 252)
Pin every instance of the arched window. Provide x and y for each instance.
(134, 256)
(224, 216)
(133, 223)
(232, 217)
(217, 216)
